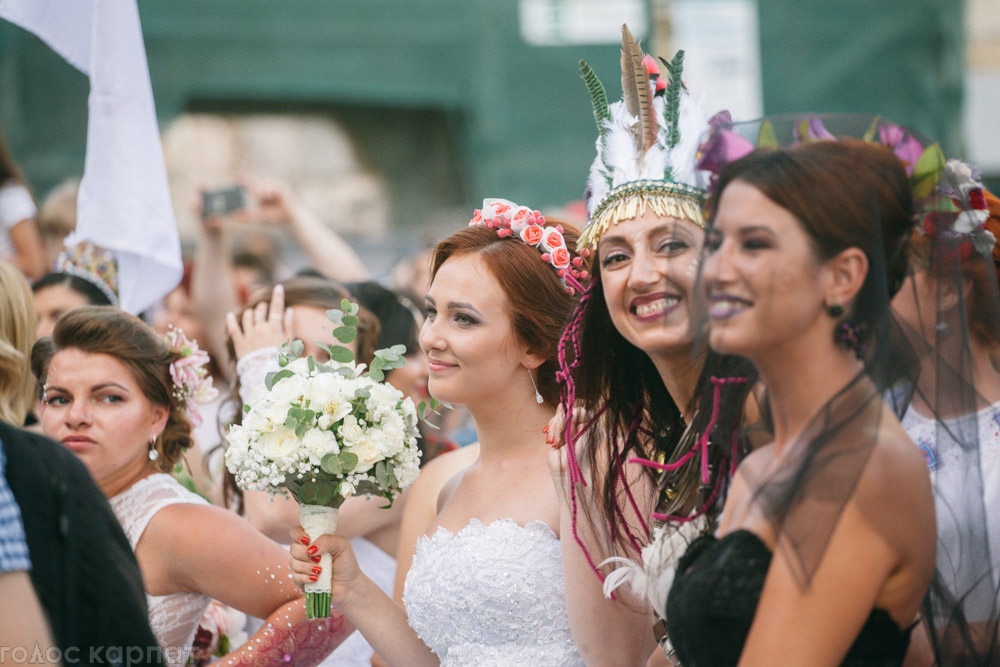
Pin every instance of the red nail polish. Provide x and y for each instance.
(313, 577)
(316, 569)
(545, 429)
(313, 549)
(304, 540)
(316, 559)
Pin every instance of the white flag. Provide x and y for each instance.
(124, 202)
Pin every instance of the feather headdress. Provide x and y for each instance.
(646, 145)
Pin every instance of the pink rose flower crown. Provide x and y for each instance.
(513, 221)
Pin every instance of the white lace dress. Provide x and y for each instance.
(491, 596)
(174, 618)
(953, 517)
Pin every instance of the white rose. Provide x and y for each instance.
(318, 443)
(385, 395)
(969, 221)
(349, 431)
(368, 451)
(278, 443)
(289, 390)
(299, 366)
(266, 416)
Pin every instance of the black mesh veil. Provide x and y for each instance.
(949, 313)
(929, 360)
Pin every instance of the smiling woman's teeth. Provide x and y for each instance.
(654, 307)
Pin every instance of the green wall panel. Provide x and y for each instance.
(899, 58)
(515, 118)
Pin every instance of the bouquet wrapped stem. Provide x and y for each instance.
(319, 520)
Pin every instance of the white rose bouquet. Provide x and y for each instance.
(324, 432)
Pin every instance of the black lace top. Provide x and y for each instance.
(714, 598)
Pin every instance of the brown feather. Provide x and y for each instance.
(635, 90)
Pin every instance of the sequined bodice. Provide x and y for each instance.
(491, 596)
(714, 598)
(174, 618)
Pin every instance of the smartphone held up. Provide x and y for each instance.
(224, 201)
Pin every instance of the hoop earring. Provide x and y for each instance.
(538, 396)
(153, 454)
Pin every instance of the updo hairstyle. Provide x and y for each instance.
(111, 331)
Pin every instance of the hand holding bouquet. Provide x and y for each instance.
(325, 432)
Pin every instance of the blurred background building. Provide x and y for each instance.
(392, 119)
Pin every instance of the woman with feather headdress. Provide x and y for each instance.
(633, 377)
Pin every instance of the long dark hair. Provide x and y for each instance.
(631, 416)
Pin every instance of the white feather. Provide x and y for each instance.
(654, 577)
(620, 153)
(693, 126)
(598, 179)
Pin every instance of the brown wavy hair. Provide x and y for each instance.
(108, 330)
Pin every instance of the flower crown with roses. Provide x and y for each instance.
(509, 219)
(961, 212)
(189, 374)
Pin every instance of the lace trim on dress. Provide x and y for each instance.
(174, 618)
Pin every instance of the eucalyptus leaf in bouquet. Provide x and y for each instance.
(326, 431)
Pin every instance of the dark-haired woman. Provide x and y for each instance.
(949, 310)
(640, 382)
(826, 543)
(485, 586)
(58, 293)
(110, 396)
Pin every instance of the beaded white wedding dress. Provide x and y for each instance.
(491, 596)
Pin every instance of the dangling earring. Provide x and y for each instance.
(538, 397)
(153, 454)
(835, 310)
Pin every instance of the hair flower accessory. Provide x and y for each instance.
(962, 211)
(509, 219)
(189, 373)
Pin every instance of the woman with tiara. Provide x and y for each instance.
(633, 375)
(949, 311)
(825, 549)
(485, 585)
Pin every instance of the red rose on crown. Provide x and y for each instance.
(977, 199)
(553, 239)
(561, 258)
(532, 234)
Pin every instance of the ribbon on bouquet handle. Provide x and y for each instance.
(319, 520)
